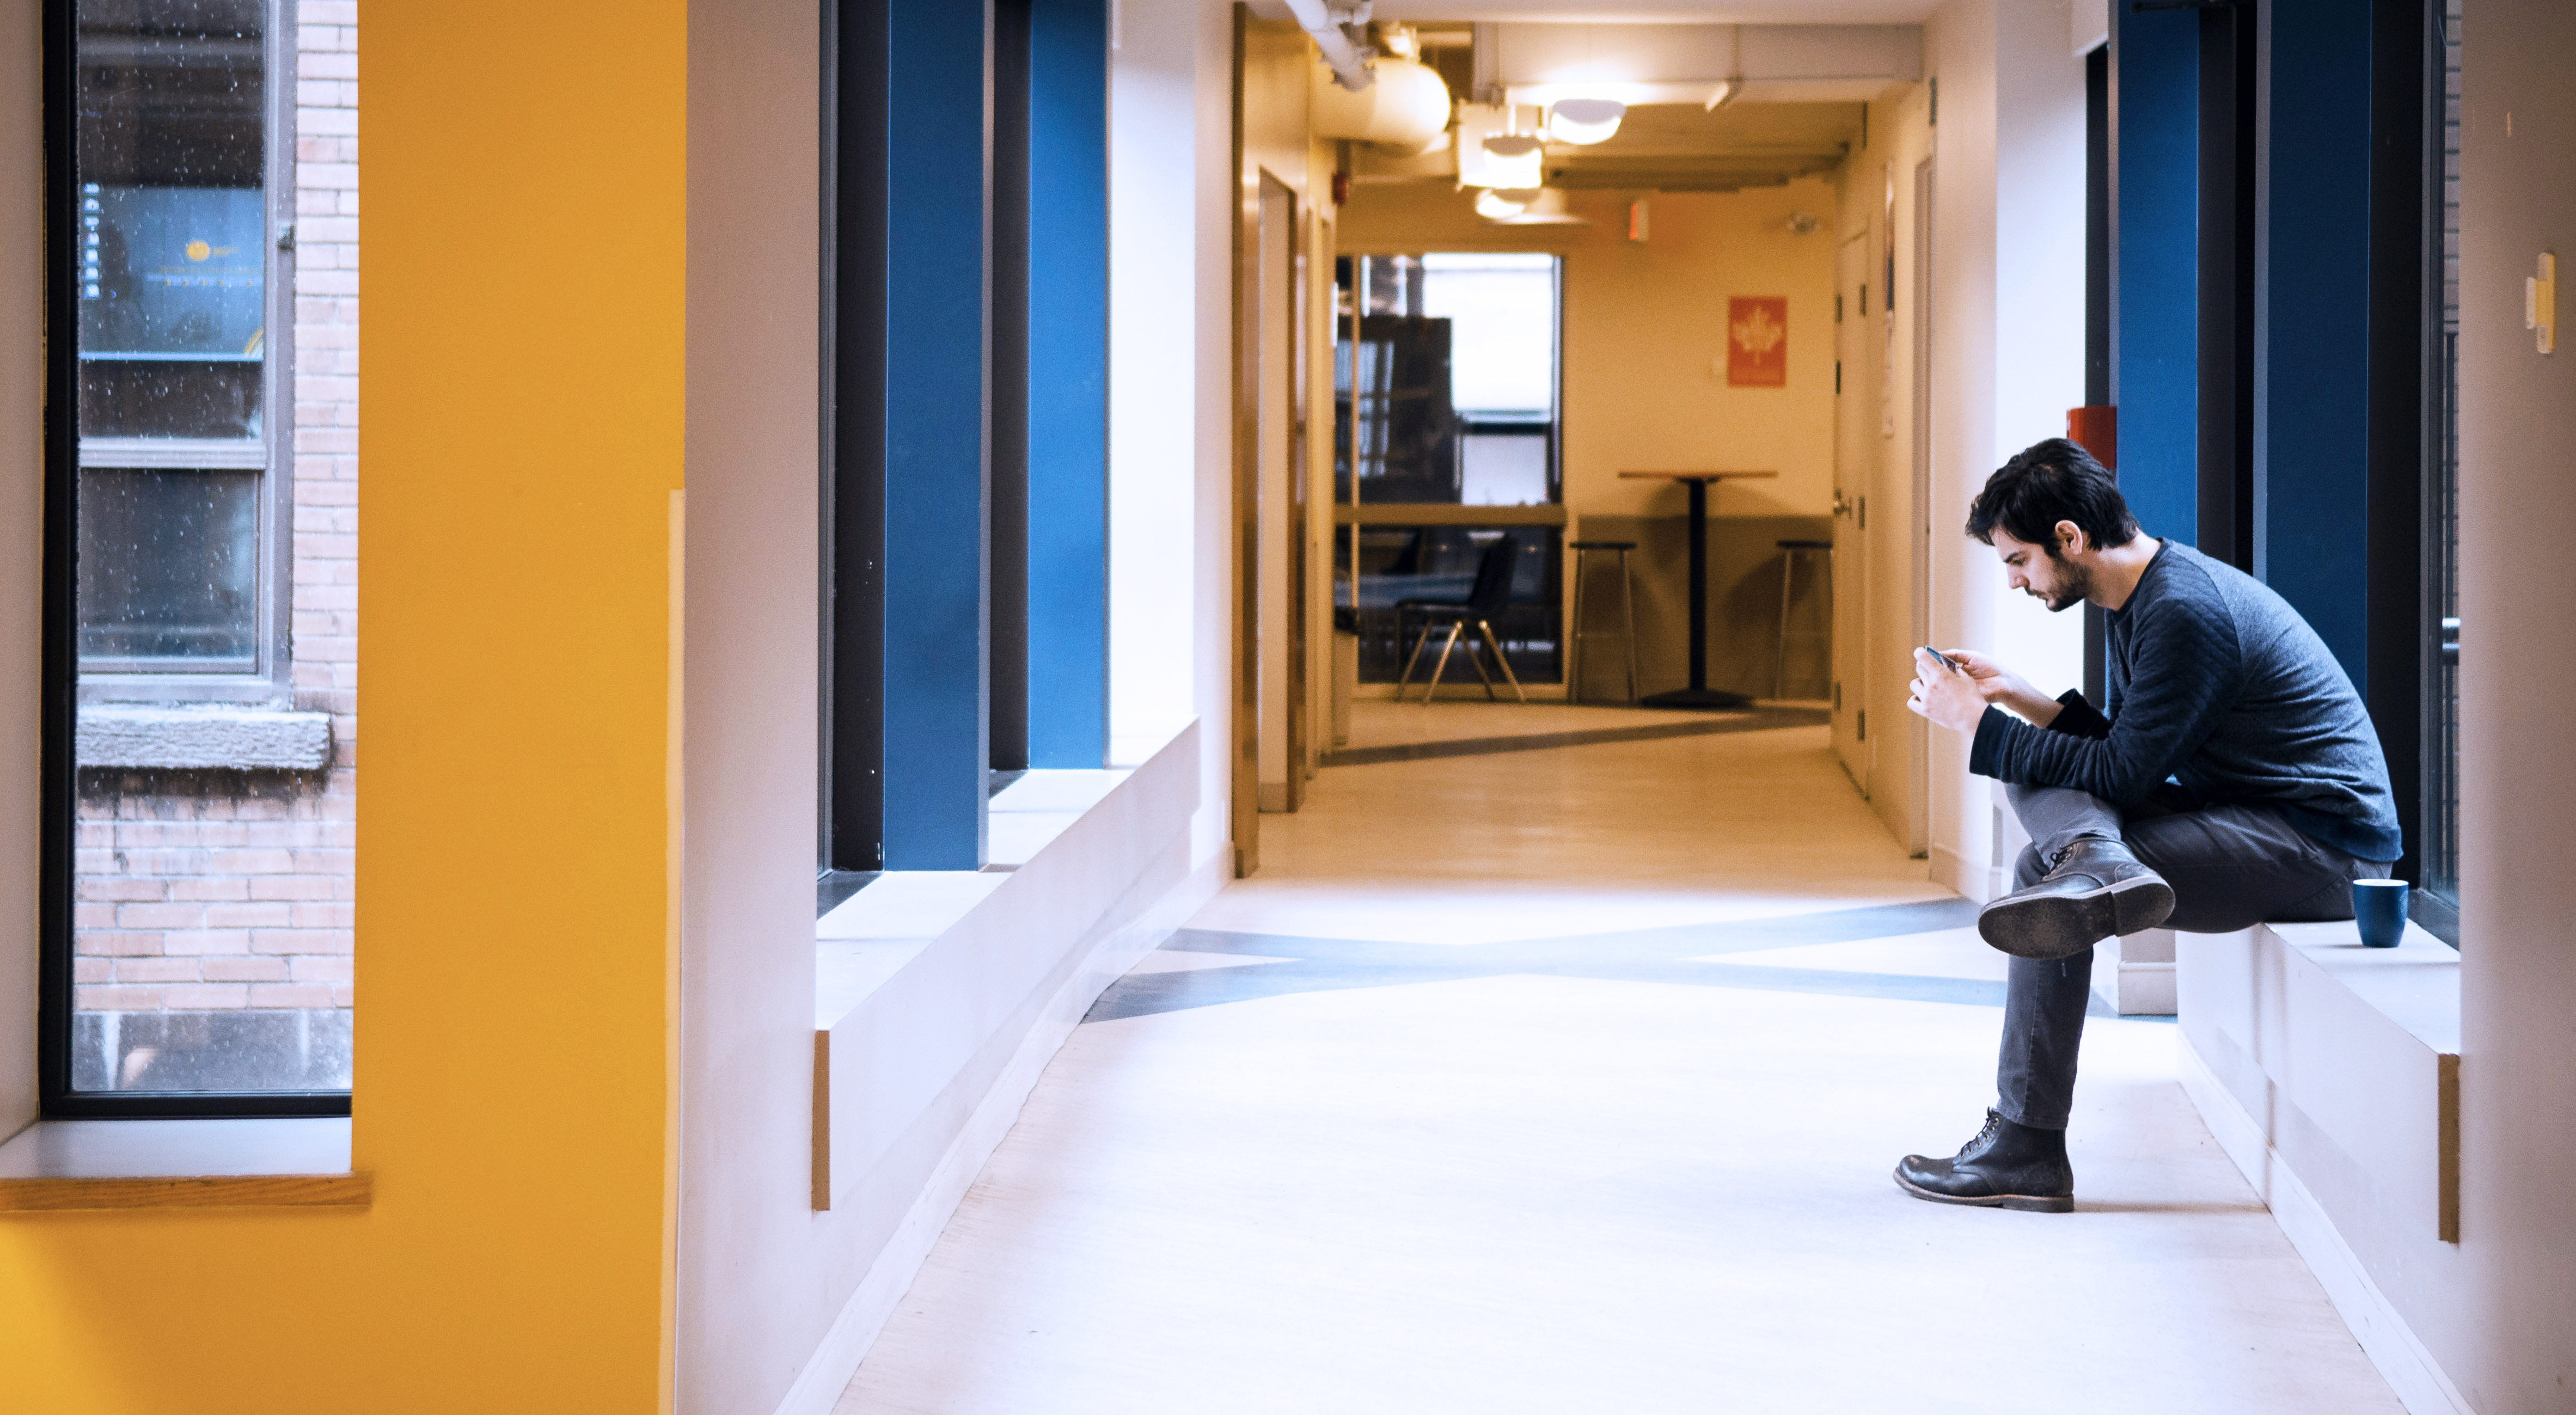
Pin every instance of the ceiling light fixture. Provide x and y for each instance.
(1546, 207)
(1495, 204)
(1512, 161)
(1584, 121)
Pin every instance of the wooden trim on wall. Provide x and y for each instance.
(219, 1191)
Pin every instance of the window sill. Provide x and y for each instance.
(868, 937)
(203, 738)
(2415, 985)
(61, 1166)
(2346, 1059)
(928, 982)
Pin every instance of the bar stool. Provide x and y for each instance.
(1627, 617)
(1790, 550)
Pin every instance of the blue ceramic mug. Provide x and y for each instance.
(2379, 907)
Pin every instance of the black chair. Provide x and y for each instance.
(1484, 604)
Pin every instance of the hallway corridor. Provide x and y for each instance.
(1569, 1080)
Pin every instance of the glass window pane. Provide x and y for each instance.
(1502, 315)
(210, 943)
(2440, 846)
(168, 569)
(1448, 393)
(172, 108)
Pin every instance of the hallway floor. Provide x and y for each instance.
(1570, 1080)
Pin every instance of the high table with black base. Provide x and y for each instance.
(1698, 694)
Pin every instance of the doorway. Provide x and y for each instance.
(1918, 812)
(1280, 507)
(1856, 443)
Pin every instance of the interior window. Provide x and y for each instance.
(1446, 372)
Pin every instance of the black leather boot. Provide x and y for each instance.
(2095, 890)
(2008, 1166)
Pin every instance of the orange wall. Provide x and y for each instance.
(523, 333)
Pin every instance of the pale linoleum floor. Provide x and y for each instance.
(1570, 1080)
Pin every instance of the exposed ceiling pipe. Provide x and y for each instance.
(1341, 32)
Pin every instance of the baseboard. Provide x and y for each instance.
(1973, 881)
(1452, 690)
(835, 1363)
(2133, 987)
(2409, 1369)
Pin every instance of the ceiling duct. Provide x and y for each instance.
(1407, 108)
(1341, 33)
(1539, 64)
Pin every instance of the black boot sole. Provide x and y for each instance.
(2053, 926)
(2019, 1203)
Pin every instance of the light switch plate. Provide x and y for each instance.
(2540, 305)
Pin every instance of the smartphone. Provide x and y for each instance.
(1946, 661)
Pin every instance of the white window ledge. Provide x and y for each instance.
(2348, 1055)
(873, 933)
(927, 980)
(61, 1165)
(2330, 1074)
(211, 736)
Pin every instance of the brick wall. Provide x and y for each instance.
(212, 944)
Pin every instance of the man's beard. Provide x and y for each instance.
(2074, 586)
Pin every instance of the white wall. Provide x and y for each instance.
(22, 492)
(2517, 676)
(763, 1277)
(760, 1274)
(1171, 327)
(2008, 351)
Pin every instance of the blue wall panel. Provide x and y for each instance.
(1068, 383)
(2155, 214)
(937, 137)
(2312, 430)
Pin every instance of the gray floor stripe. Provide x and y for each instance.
(1627, 945)
(1665, 955)
(1758, 720)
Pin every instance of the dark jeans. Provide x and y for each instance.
(2230, 867)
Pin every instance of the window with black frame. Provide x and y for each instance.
(2437, 897)
(199, 955)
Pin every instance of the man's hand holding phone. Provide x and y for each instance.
(1954, 687)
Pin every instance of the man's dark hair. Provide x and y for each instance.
(2048, 482)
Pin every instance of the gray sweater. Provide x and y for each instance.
(2219, 687)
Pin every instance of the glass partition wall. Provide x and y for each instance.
(1446, 376)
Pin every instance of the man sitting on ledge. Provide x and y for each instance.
(2235, 778)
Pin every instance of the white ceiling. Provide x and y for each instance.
(1699, 12)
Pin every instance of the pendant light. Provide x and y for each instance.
(1511, 158)
(1512, 161)
(1584, 121)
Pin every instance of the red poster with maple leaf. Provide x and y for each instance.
(1757, 341)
